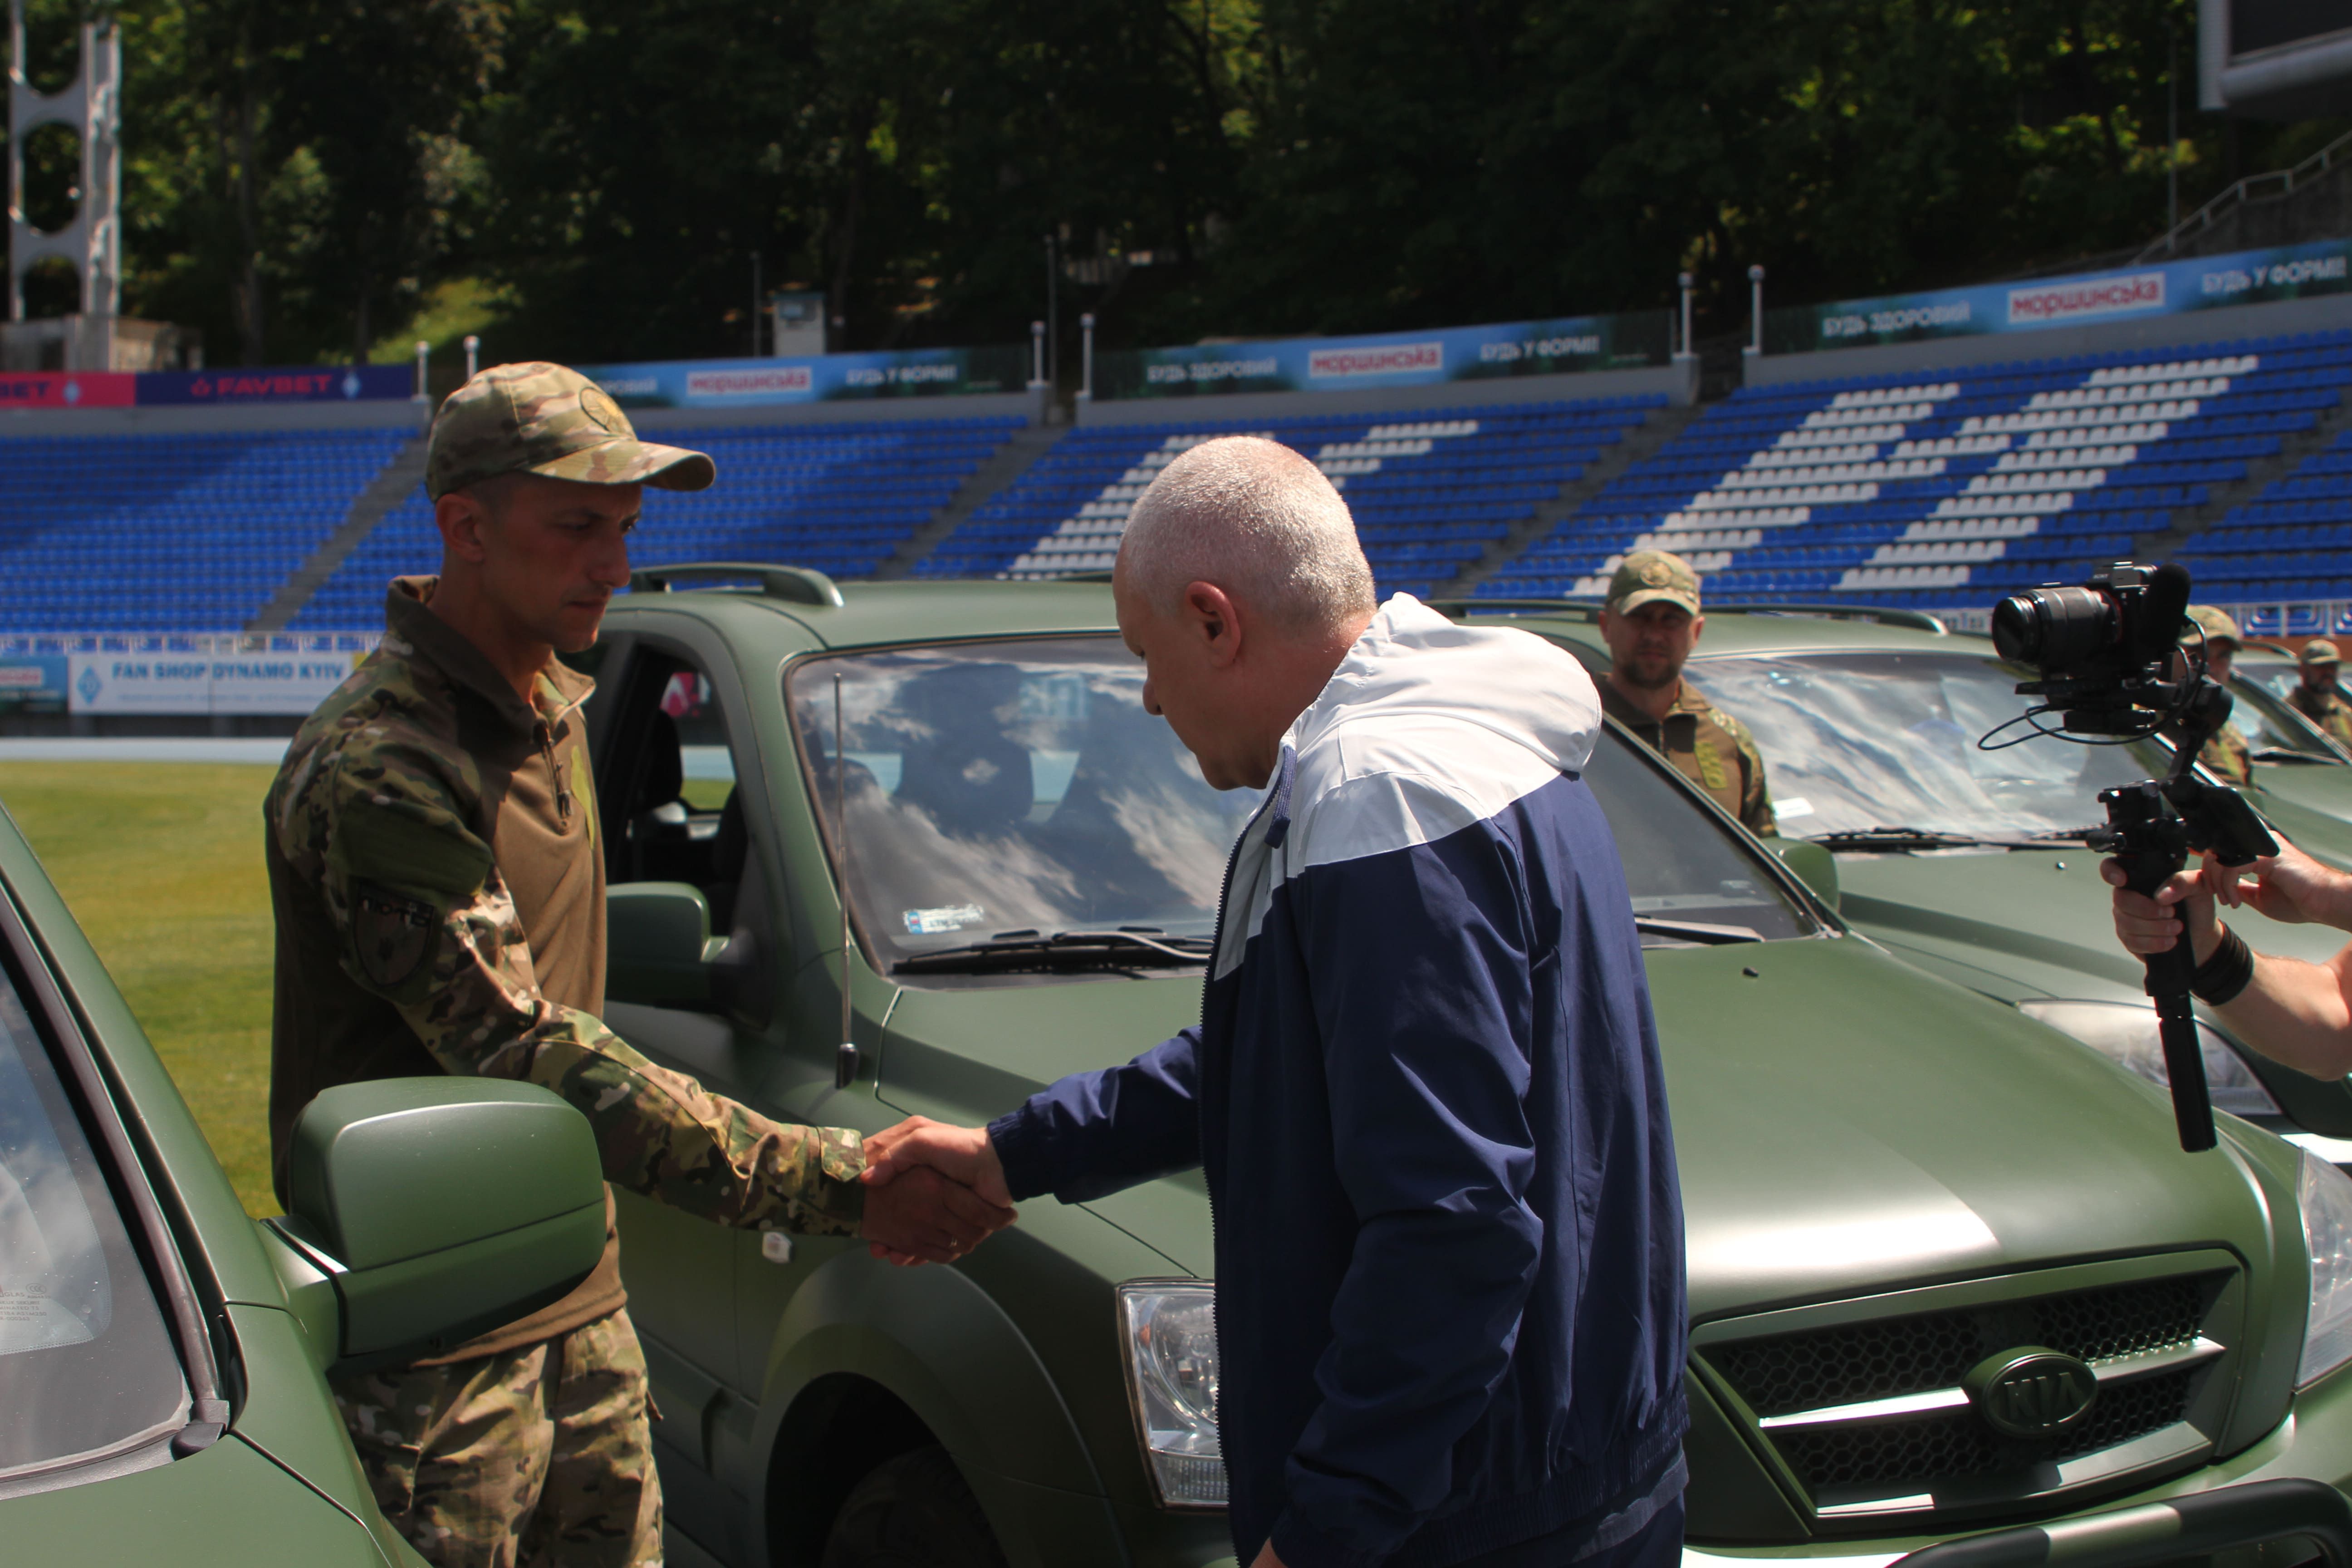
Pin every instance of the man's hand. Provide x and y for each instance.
(1267, 1557)
(922, 1217)
(2147, 924)
(961, 1153)
(2289, 887)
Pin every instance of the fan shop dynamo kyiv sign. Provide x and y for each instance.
(2164, 289)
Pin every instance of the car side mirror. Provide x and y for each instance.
(1815, 867)
(658, 948)
(437, 1208)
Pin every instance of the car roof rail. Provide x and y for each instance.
(1880, 614)
(1575, 609)
(801, 584)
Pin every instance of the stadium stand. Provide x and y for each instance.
(155, 533)
(2294, 542)
(840, 498)
(1430, 490)
(1936, 490)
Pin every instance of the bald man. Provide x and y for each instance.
(1425, 1087)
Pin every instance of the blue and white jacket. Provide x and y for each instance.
(1426, 1093)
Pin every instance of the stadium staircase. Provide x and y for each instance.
(844, 499)
(166, 532)
(400, 477)
(1942, 489)
(1431, 490)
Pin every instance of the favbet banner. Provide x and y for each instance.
(2159, 289)
(57, 389)
(312, 383)
(823, 378)
(1387, 359)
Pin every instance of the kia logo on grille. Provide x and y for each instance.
(2032, 1392)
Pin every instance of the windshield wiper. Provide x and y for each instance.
(1065, 950)
(1899, 839)
(1696, 930)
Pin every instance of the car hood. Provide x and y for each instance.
(2315, 787)
(1844, 1123)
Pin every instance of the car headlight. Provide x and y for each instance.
(1169, 1328)
(2324, 1194)
(2125, 1034)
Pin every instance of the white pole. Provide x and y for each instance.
(1755, 310)
(473, 353)
(424, 354)
(1037, 353)
(1684, 280)
(1086, 357)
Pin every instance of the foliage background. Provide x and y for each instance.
(590, 179)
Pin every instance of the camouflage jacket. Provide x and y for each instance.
(438, 888)
(1710, 746)
(2227, 757)
(2327, 710)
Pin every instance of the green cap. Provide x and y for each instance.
(1649, 577)
(537, 418)
(2319, 650)
(2218, 625)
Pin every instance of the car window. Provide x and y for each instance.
(1854, 741)
(671, 772)
(2269, 724)
(87, 1363)
(1022, 787)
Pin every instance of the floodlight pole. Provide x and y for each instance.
(473, 353)
(423, 358)
(755, 304)
(1684, 281)
(2172, 139)
(1087, 357)
(1756, 311)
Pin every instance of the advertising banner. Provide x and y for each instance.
(56, 389)
(2158, 288)
(312, 384)
(823, 378)
(176, 682)
(1555, 347)
(33, 683)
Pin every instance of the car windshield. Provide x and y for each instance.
(87, 1365)
(1858, 741)
(2263, 716)
(1020, 787)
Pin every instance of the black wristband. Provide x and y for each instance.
(2231, 969)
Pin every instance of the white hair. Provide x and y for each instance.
(1257, 520)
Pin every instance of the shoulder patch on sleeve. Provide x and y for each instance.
(392, 935)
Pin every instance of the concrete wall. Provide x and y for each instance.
(1678, 381)
(2326, 313)
(198, 420)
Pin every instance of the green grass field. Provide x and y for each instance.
(162, 864)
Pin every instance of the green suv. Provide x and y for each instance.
(1894, 1187)
(160, 1354)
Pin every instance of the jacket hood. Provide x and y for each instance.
(1412, 664)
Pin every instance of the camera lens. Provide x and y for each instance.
(2054, 628)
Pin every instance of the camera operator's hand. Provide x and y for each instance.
(2147, 924)
(2289, 887)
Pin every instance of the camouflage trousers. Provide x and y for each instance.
(538, 1456)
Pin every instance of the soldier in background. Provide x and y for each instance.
(438, 882)
(2226, 756)
(2317, 696)
(1650, 622)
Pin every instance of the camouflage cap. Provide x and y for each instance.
(2217, 625)
(2319, 650)
(537, 419)
(1649, 577)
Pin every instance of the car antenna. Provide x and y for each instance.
(845, 1058)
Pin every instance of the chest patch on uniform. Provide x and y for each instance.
(393, 934)
(1710, 767)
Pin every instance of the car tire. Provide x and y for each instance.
(912, 1511)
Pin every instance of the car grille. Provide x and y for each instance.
(1870, 1417)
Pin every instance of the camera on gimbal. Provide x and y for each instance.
(2104, 655)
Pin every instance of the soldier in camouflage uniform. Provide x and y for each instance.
(2317, 696)
(438, 883)
(1650, 621)
(2226, 756)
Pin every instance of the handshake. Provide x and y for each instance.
(932, 1192)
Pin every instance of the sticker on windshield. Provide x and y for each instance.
(946, 918)
(1795, 806)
